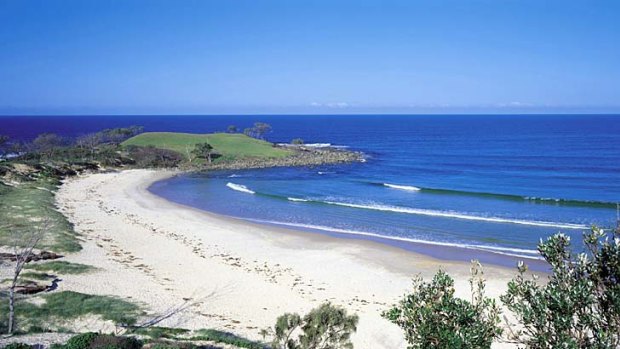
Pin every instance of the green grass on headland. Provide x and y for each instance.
(25, 207)
(61, 267)
(230, 146)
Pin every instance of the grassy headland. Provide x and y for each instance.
(237, 151)
(231, 146)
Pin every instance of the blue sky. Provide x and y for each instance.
(260, 56)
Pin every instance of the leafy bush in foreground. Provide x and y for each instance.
(433, 318)
(325, 327)
(80, 341)
(579, 307)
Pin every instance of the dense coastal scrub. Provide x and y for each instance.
(326, 326)
(577, 307)
(432, 317)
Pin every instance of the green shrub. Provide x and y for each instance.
(106, 341)
(91, 340)
(80, 341)
(150, 156)
(327, 326)
(433, 318)
(579, 306)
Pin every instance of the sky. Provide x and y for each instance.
(312, 57)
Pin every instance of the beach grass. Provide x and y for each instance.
(59, 307)
(61, 267)
(157, 332)
(25, 207)
(226, 338)
(29, 275)
(230, 146)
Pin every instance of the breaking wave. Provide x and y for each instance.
(239, 187)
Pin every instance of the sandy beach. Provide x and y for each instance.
(233, 275)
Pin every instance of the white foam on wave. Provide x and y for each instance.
(508, 251)
(297, 200)
(317, 145)
(425, 212)
(234, 175)
(401, 187)
(239, 187)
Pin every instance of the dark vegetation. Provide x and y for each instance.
(327, 326)
(432, 317)
(578, 307)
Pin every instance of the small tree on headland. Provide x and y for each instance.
(203, 150)
(433, 318)
(231, 129)
(297, 141)
(47, 143)
(579, 307)
(89, 141)
(4, 140)
(118, 135)
(325, 327)
(259, 130)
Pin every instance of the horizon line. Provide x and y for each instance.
(322, 114)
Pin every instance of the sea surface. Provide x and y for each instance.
(450, 186)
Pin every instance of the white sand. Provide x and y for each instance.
(234, 275)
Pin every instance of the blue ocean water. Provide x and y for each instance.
(455, 186)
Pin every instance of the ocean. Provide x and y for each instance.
(451, 186)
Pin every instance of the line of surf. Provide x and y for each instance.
(401, 187)
(511, 197)
(508, 251)
(417, 211)
(424, 212)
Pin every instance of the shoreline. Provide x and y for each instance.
(432, 249)
(237, 275)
